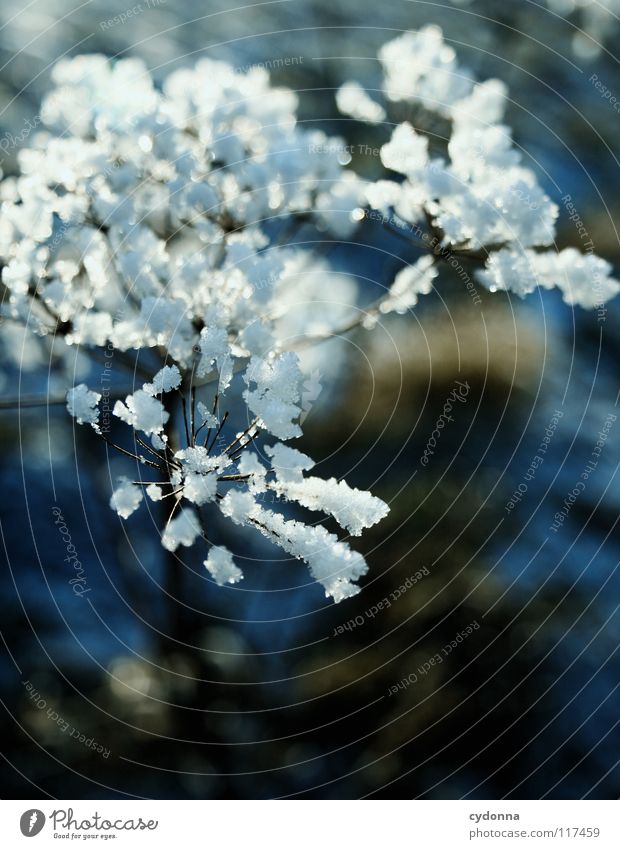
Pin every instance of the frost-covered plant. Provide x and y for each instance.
(477, 200)
(157, 224)
(141, 221)
(232, 478)
(139, 214)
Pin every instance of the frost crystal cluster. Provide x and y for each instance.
(157, 223)
(140, 216)
(477, 200)
(210, 470)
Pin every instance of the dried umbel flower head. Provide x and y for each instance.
(157, 222)
(212, 470)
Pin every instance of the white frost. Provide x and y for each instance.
(221, 566)
(165, 380)
(82, 405)
(182, 530)
(352, 100)
(126, 498)
(142, 412)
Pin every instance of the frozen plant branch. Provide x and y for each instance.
(194, 476)
(142, 223)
